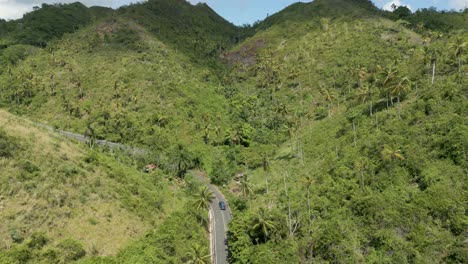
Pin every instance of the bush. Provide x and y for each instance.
(8, 145)
(71, 250)
(16, 236)
(37, 240)
(15, 53)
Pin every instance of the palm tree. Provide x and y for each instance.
(308, 180)
(431, 54)
(362, 75)
(202, 203)
(245, 186)
(361, 166)
(182, 160)
(389, 75)
(89, 133)
(198, 255)
(329, 97)
(265, 161)
(203, 199)
(402, 87)
(206, 134)
(263, 224)
(364, 94)
(391, 153)
(458, 48)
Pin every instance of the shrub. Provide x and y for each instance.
(16, 236)
(8, 145)
(37, 240)
(71, 250)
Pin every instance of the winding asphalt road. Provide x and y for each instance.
(219, 219)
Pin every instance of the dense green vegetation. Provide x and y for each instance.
(375, 165)
(45, 23)
(337, 130)
(430, 18)
(62, 202)
(197, 31)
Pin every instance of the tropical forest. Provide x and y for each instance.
(332, 131)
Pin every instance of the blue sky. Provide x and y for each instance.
(249, 11)
(237, 11)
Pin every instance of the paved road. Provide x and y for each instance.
(219, 224)
(219, 218)
(83, 138)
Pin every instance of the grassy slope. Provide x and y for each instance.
(62, 190)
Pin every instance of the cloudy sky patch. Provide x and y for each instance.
(389, 6)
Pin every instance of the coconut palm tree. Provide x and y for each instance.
(308, 180)
(203, 199)
(329, 96)
(245, 186)
(458, 48)
(391, 153)
(362, 165)
(402, 87)
(265, 161)
(263, 224)
(90, 134)
(206, 134)
(198, 255)
(182, 160)
(389, 76)
(431, 54)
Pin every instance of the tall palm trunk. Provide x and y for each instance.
(459, 64)
(308, 200)
(433, 71)
(399, 110)
(354, 134)
(386, 97)
(362, 179)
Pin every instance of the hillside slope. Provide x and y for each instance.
(365, 157)
(61, 201)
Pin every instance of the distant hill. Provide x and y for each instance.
(321, 8)
(196, 30)
(45, 23)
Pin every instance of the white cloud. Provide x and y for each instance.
(388, 6)
(458, 4)
(11, 9)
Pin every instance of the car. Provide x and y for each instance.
(222, 205)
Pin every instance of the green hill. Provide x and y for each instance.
(365, 162)
(45, 23)
(197, 31)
